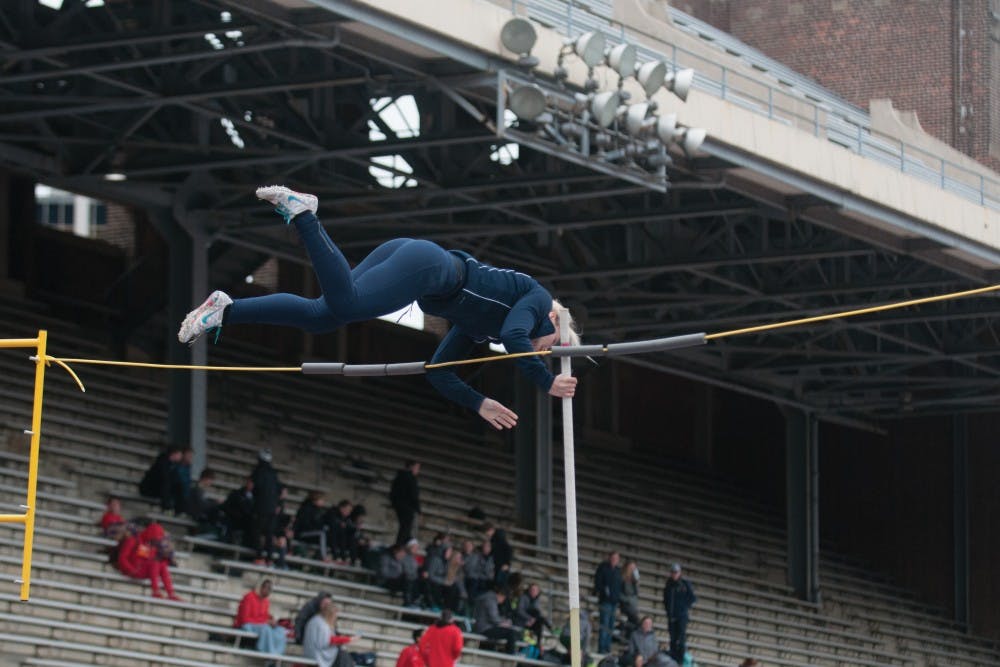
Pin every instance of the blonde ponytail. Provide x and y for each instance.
(574, 335)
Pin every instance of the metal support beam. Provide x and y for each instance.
(186, 416)
(179, 303)
(960, 489)
(850, 202)
(160, 100)
(802, 500)
(199, 352)
(533, 458)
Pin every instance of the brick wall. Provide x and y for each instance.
(119, 228)
(910, 51)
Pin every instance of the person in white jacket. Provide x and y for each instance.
(320, 640)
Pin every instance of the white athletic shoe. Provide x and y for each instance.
(288, 202)
(205, 317)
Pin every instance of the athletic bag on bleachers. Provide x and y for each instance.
(362, 659)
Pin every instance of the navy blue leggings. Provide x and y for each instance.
(394, 275)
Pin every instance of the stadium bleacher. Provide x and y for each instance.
(83, 612)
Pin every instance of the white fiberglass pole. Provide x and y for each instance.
(569, 475)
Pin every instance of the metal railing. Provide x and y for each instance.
(792, 99)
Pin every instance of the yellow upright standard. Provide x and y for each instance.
(28, 518)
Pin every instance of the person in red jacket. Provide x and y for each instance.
(254, 614)
(141, 556)
(441, 644)
(411, 656)
(112, 523)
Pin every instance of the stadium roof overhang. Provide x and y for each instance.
(140, 89)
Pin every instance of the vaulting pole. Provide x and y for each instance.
(569, 475)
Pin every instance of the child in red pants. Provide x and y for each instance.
(140, 557)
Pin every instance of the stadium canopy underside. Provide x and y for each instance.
(293, 92)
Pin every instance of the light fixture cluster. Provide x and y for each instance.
(600, 124)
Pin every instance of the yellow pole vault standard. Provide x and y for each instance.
(28, 518)
(569, 475)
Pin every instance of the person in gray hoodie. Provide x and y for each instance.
(489, 622)
(644, 648)
(412, 573)
(479, 569)
(392, 574)
(436, 565)
(528, 613)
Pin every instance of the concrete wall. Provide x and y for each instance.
(782, 143)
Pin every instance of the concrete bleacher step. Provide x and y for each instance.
(732, 548)
(79, 637)
(125, 620)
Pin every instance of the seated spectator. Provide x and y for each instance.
(436, 566)
(392, 576)
(479, 571)
(309, 525)
(585, 631)
(309, 609)
(238, 513)
(283, 534)
(413, 570)
(454, 583)
(146, 554)
(488, 621)
(502, 552)
(180, 480)
(112, 524)
(342, 532)
(411, 655)
(441, 644)
(157, 482)
(362, 544)
(413, 553)
(321, 641)
(514, 588)
(644, 648)
(437, 545)
(204, 510)
(528, 613)
(254, 615)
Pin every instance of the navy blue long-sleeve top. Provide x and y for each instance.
(493, 305)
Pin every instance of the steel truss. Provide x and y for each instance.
(715, 250)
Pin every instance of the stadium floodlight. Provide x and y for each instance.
(589, 47)
(666, 127)
(621, 59)
(604, 107)
(679, 82)
(518, 36)
(527, 102)
(692, 138)
(637, 119)
(115, 176)
(651, 75)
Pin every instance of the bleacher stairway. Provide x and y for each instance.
(83, 612)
